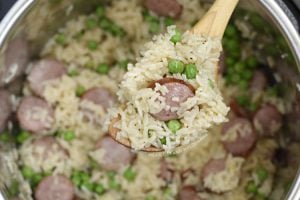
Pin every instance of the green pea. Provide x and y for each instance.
(174, 125)
(191, 71)
(262, 173)
(69, 135)
(85, 178)
(111, 175)
(102, 68)
(99, 188)
(88, 185)
(251, 187)
(235, 78)
(76, 179)
(247, 74)
(257, 21)
(231, 31)
(163, 140)
(175, 66)
(115, 30)
(92, 44)
(91, 23)
(105, 23)
(150, 198)
(176, 37)
(242, 100)
(251, 62)
(73, 72)
(13, 189)
(123, 64)
(80, 90)
(243, 84)
(4, 137)
(154, 27)
(60, 38)
(229, 61)
(129, 174)
(27, 172)
(35, 179)
(114, 185)
(169, 21)
(239, 67)
(100, 11)
(24, 135)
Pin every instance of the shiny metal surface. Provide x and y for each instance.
(19, 21)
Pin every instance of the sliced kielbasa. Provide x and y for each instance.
(177, 89)
(100, 96)
(267, 120)
(166, 170)
(258, 82)
(46, 146)
(35, 115)
(221, 63)
(5, 108)
(57, 187)
(171, 8)
(42, 71)
(213, 166)
(115, 155)
(238, 136)
(188, 192)
(16, 57)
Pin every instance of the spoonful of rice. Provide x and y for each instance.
(170, 98)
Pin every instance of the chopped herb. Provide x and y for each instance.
(27, 172)
(100, 11)
(13, 189)
(251, 187)
(262, 174)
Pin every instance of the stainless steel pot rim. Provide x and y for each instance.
(273, 9)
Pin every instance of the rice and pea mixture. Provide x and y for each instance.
(147, 118)
(96, 49)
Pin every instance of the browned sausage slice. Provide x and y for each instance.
(188, 192)
(5, 108)
(42, 71)
(116, 155)
(46, 146)
(176, 89)
(165, 8)
(100, 96)
(213, 166)
(56, 187)
(258, 82)
(166, 170)
(238, 136)
(35, 115)
(267, 120)
(16, 58)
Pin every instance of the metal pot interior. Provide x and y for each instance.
(30, 23)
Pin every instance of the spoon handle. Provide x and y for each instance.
(214, 22)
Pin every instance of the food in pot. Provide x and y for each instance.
(171, 93)
(63, 151)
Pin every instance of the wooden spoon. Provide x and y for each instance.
(212, 24)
